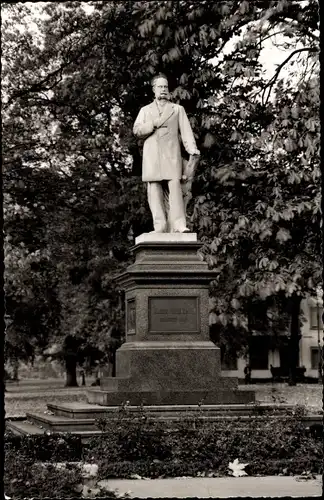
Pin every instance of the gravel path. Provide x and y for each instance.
(18, 407)
(227, 487)
(309, 395)
(33, 396)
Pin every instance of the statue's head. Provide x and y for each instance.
(160, 86)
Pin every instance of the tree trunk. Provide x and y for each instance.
(294, 339)
(15, 375)
(137, 160)
(113, 362)
(70, 367)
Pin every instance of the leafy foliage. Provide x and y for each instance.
(191, 446)
(21, 476)
(143, 447)
(74, 198)
(45, 448)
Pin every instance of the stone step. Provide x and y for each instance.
(81, 416)
(56, 423)
(104, 397)
(77, 410)
(77, 417)
(35, 424)
(191, 384)
(26, 428)
(23, 427)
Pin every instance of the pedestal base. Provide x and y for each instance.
(168, 357)
(186, 365)
(166, 373)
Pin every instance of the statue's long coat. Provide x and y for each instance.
(161, 151)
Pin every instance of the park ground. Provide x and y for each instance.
(33, 395)
(221, 487)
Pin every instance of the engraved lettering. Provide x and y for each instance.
(173, 314)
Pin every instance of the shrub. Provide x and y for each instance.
(26, 475)
(47, 448)
(22, 478)
(155, 449)
(152, 469)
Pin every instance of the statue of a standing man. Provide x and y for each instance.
(161, 124)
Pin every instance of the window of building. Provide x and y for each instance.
(228, 360)
(314, 358)
(259, 353)
(284, 356)
(314, 312)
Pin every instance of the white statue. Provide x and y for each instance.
(161, 124)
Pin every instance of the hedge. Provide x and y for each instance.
(157, 449)
(152, 449)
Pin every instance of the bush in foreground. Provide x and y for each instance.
(46, 466)
(155, 448)
(46, 447)
(22, 478)
(141, 447)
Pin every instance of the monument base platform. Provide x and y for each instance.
(190, 397)
(169, 373)
(81, 419)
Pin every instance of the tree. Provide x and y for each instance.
(69, 109)
(266, 237)
(32, 307)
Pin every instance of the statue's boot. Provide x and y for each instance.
(184, 230)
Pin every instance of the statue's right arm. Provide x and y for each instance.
(143, 126)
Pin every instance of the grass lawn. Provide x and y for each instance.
(33, 395)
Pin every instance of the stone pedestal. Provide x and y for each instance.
(167, 358)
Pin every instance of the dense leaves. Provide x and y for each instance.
(191, 446)
(74, 198)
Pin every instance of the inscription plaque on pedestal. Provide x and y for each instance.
(131, 317)
(174, 315)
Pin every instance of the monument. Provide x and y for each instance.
(168, 358)
(168, 363)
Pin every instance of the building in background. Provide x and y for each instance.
(262, 354)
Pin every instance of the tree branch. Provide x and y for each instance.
(303, 29)
(37, 87)
(270, 36)
(272, 81)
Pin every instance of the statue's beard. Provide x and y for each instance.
(163, 98)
